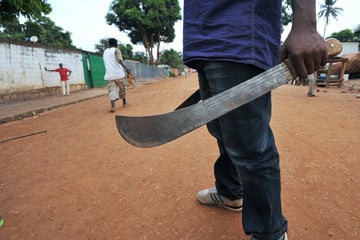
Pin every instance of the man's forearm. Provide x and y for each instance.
(124, 66)
(304, 15)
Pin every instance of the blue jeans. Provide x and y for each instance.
(248, 165)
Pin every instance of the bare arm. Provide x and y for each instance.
(120, 60)
(125, 67)
(49, 70)
(304, 46)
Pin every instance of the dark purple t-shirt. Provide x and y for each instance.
(241, 31)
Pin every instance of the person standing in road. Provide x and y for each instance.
(228, 42)
(115, 74)
(64, 78)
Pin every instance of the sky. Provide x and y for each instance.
(85, 20)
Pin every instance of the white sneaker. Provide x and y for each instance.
(211, 197)
(283, 237)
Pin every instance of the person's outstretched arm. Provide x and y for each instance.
(49, 70)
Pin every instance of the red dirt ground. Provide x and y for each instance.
(81, 180)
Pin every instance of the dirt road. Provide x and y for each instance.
(80, 180)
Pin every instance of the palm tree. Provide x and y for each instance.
(328, 10)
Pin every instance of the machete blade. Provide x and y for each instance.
(194, 98)
(155, 130)
(160, 128)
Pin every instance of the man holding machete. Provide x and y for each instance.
(228, 42)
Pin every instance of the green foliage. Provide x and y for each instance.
(171, 58)
(345, 35)
(286, 13)
(43, 27)
(13, 30)
(146, 21)
(101, 46)
(11, 10)
(357, 33)
(36, 24)
(126, 50)
(140, 57)
(172, 74)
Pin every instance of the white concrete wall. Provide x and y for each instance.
(349, 47)
(23, 67)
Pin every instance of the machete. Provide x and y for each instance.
(194, 98)
(155, 130)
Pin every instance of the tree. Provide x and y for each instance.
(54, 35)
(172, 58)
(286, 13)
(11, 10)
(13, 30)
(149, 22)
(43, 27)
(101, 46)
(328, 10)
(345, 35)
(140, 57)
(126, 50)
(357, 33)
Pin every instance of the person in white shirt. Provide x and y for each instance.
(115, 73)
